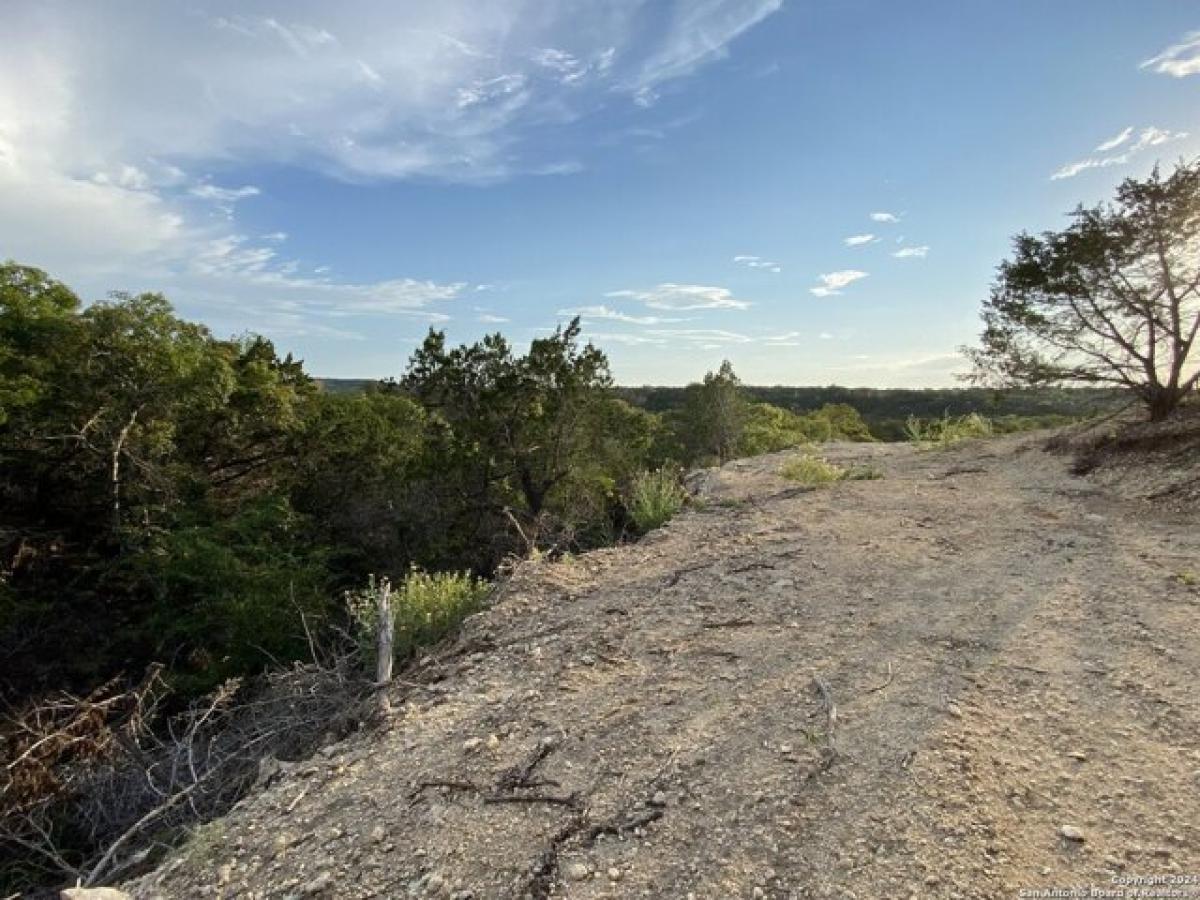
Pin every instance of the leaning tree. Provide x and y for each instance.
(1113, 299)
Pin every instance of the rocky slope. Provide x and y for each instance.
(971, 677)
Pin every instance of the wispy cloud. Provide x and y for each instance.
(704, 335)
(912, 252)
(684, 297)
(604, 312)
(833, 282)
(490, 318)
(1178, 60)
(359, 89)
(508, 88)
(236, 263)
(569, 68)
(702, 31)
(757, 262)
(1116, 141)
(620, 337)
(223, 195)
(1149, 137)
(786, 339)
(886, 218)
(858, 240)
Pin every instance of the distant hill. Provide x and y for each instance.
(884, 409)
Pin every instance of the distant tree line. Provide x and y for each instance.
(885, 411)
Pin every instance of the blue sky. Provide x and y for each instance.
(817, 191)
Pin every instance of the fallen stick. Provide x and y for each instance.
(569, 800)
(885, 684)
(300, 796)
(617, 829)
(451, 785)
(827, 703)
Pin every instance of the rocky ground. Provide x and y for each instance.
(973, 676)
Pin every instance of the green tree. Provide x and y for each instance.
(714, 416)
(517, 425)
(37, 326)
(131, 436)
(367, 481)
(1112, 299)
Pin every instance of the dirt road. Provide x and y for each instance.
(974, 676)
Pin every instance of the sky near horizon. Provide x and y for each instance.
(817, 191)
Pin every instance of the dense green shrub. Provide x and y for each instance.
(655, 497)
(426, 606)
(771, 428)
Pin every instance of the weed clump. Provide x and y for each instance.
(813, 471)
(425, 608)
(948, 430)
(655, 496)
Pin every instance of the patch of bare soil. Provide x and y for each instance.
(974, 676)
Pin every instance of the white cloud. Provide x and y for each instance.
(833, 282)
(786, 339)
(509, 88)
(684, 297)
(604, 312)
(757, 262)
(490, 318)
(1179, 60)
(570, 69)
(886, 218)
(234, 264)
(912, 252)
(623, 338)
(825, 336)
(704, 335)
(1149, 137)
(223, 195)
(645, 96)
(1114, 142)
(858, 240)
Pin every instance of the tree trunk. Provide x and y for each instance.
(535, 494)
(1162, 402)
(115, 468)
